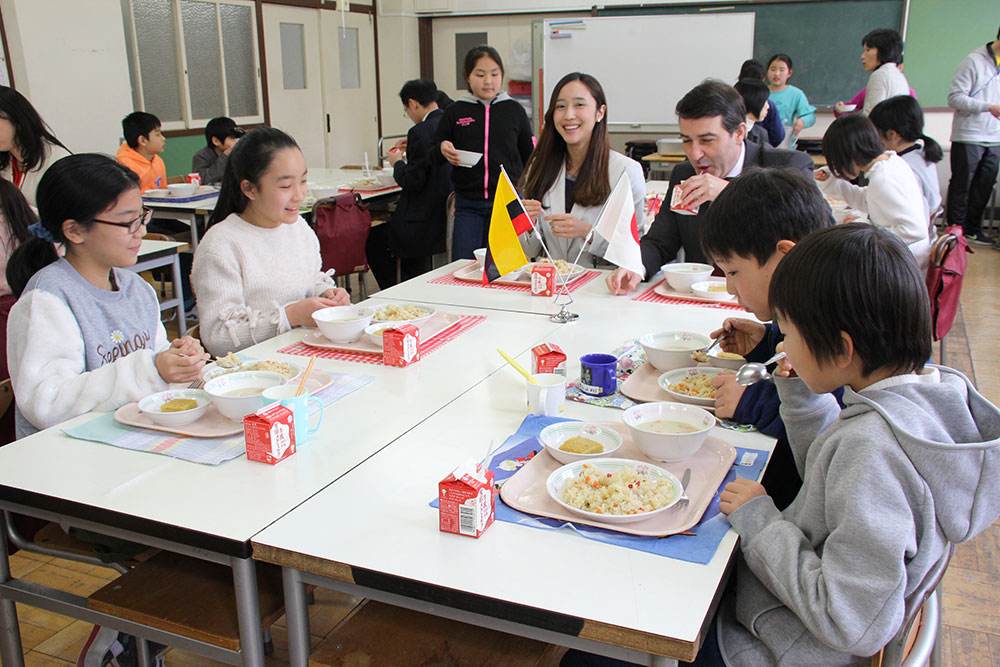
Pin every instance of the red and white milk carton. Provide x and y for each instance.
(548, 358)
(193, 177)
(465, 500)
(401, 345)
(543, 280)
(676, 205)
(270, 434)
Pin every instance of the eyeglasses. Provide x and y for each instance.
(132, 225)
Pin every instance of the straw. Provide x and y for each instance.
(517, 367)
(305, 376)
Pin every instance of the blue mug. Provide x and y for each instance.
(598, 374)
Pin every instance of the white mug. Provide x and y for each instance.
(546, 398)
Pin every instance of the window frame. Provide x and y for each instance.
(188, 122)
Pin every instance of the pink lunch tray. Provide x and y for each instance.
(437, 324)
(472, 273)
(211, 425)
(525, 490)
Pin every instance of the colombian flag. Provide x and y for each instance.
(509, 219)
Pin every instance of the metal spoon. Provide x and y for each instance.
(755, 372)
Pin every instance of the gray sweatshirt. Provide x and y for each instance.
(909, 466)
(974, 88)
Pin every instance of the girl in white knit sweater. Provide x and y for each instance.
(257, 272)
(892, 199)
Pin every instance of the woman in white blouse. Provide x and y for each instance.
(892, 198)
(572, 171)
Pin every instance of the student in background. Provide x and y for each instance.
(85, 334)
(975, 139)
(900, 124)
(858, 101)
(892, 198)
(417, 229)
(882, 55)
(210, 162)
(257, 270)
(771, 122)
(880, 477)
(796, 112)
(485, 120)
(141, 151)
(572, 171)
(27, 145)
(755, 98)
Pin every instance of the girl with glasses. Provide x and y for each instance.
(85, 334)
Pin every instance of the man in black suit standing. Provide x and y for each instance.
(416, 230)
(712, 121)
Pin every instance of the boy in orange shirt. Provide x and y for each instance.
(141, 151)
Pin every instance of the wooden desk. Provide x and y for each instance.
(674, 158)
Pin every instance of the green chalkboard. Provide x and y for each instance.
(823, 39)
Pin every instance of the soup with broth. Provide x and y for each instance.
(245, 391)
(668, 426)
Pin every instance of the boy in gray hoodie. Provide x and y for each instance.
(907, 468)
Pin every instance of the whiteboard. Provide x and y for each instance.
(646, 63)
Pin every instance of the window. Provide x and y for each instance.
(193, 60)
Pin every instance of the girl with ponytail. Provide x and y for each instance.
(257, 273)
(900, 124)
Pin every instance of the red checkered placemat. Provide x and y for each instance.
(465, 323)
(653, 297)
(450, 279)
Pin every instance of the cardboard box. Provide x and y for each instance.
(401, 345)
(270, 434)
(543, 280)
(675, 203)
(548, 358)
(465, 500)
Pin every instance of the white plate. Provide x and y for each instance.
(573, 273)
(159, 192)
(468, 158)
(701, 288)
(214, 370)
(555, 482)
(416, 320)
(676, 375)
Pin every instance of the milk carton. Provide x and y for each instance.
(548, 358)
(270, 434)
(675, 203)
(401, 345)
(465, 500)
(543, 280)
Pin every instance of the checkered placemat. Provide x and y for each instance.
(653, 297)
(464, 323)
(450, 279)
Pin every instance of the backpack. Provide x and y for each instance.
(944, 278)
(342, 225)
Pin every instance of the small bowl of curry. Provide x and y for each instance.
(571, 441)
(175, 407)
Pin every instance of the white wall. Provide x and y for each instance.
(69, 59)
(399, 60)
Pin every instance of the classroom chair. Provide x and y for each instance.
(917, 642)
(342, 224)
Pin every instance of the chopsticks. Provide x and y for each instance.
(305, 376)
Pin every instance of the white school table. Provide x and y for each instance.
(195, 213)
(554, 586)
(154, 254)
(211, 512)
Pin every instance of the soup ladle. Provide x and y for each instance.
(755, 372)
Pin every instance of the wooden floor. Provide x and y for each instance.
(971, 586)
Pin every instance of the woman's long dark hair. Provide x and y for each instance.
(17, 214)
(542, 169)
(903, 114)
(30, 131)
(77, 187)
(248, 160)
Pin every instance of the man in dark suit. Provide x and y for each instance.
(416, 230)
(712, 121)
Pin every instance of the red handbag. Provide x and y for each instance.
(342, 226)
(944, 278)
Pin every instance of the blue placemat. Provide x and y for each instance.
(697, 548)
